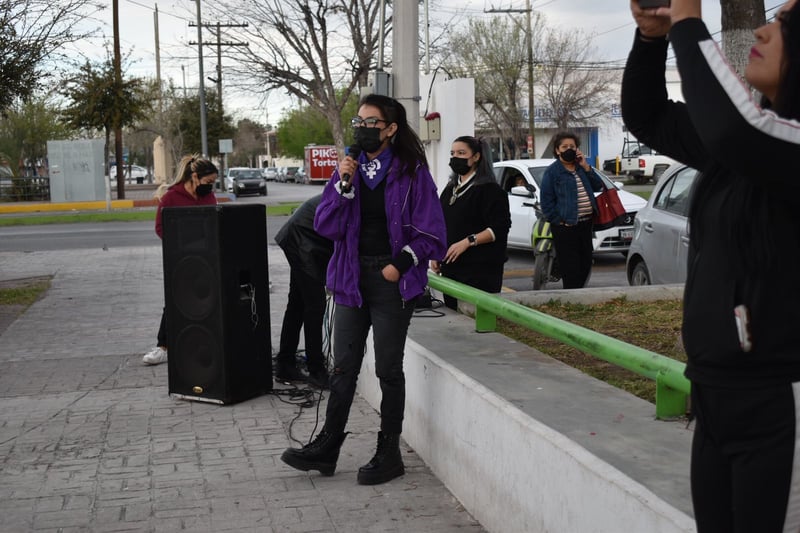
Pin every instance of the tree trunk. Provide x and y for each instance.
(739, 19)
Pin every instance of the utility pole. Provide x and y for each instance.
(203, 125)
(529, 43)
(219, 44)
(405, 58)
(117, 111)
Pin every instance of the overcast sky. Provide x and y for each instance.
(608, 21)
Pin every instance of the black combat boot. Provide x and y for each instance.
(288, 373)
(386, 464)
(318, 377)
(320, 454)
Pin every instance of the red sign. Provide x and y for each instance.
(321, 161)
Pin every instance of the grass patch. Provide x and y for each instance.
(654, 326)
(24, 293)
(137, 215)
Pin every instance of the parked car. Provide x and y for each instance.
(270, 173)
(287, 174)
(660, 246)
(523, 216)
(243, 180)
(137, 173)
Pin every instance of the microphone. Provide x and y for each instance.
(355, 151)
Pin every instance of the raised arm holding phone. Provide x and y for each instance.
(742, 293)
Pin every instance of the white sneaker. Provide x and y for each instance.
(156, 356)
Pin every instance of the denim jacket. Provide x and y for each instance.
(415, 222)
(559, 195)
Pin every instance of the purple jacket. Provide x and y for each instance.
(416, 224)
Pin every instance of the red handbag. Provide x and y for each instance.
(610, 211)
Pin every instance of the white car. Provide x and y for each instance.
(523, 215)
(137, 173)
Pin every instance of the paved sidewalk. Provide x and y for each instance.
(91, 441)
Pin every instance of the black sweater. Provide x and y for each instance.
(745, 244)
(484, 205)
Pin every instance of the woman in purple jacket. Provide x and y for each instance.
(382, 211)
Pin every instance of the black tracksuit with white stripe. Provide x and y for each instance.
(745, 255)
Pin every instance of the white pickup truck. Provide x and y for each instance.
(642, 162)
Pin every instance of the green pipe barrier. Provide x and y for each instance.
(672, 388)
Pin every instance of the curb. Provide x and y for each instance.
(100, 205)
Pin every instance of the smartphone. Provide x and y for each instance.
(653, 3)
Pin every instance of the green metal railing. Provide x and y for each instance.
(672, 388)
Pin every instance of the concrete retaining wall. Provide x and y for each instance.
(511, 472)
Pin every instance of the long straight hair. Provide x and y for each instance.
(484, 173)
(406, 144)
(767, 223)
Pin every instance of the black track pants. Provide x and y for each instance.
(745, 476)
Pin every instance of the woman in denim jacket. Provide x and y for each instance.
(568, 187)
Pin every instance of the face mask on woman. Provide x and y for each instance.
(369, 139)
(203, 189)
(569, 155)
(460, 165)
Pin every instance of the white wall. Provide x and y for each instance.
(454, 100)
(512, 473)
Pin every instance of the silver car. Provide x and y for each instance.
(660, 246)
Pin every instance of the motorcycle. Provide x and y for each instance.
(545, 266)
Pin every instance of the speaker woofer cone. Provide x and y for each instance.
(193, 288)
(198, 356)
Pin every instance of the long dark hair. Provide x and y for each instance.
(771, 223)
(485, 171)
(787, 103)
(406, 145)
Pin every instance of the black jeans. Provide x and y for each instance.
(488, 278)
(305, 309)
(743, 459)
(574, 250)
(384, 310)
(161, 338)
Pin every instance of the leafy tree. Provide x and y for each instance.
(31, 32)
(575, 92)
(319, 51)
(248, 143)
(493, 53)
(27, 127)
(96, 104)
(187, 124)
(306, 125)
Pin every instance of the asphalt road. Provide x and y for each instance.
(608, 269)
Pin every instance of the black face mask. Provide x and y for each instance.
(569, 155)
(203, 189)
(459, 165)
(369, 139)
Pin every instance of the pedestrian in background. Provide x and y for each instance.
(741, 304)
(567, 198)
(308, 254)
(383, 215)
(193, 185)
(477, 216)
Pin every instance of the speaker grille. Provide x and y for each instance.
(193, 285)
(199, 356)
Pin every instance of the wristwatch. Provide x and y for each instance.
(473, 240)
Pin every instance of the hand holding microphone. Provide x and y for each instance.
(348, 167)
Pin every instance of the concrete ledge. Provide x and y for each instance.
(527, 443)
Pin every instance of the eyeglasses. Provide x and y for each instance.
(371, 122)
